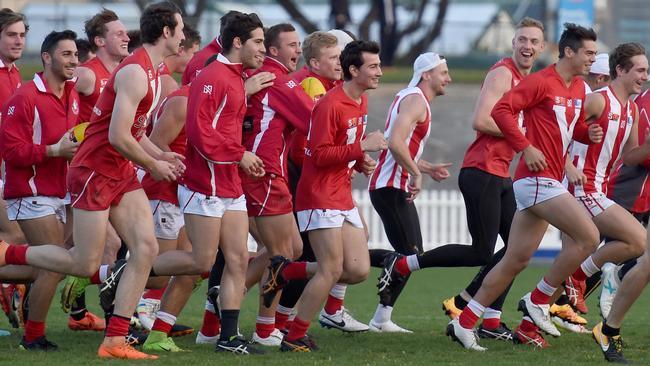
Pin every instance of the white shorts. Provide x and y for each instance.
(212, 206)
(139, 173)
(27, 208)
(167, 219)
(595, 203)
(327, 219)
(530, 191)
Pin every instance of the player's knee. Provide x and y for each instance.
(331, 271)
(235, 262)
(589, 240)
(88, 268)
(357, 274)
(146, 250)
(638, 244)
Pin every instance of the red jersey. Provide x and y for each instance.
(161, 190)
(96, 152)
(272, 115)
(164, 70)
(553, 114)
(333, 149)
(10, 81)
(388, 172)
(215, 110)
(493, 154)
(101, 78)
(199, 59)
(33, 118)
(596, 161)
(298, 140)
(629, 185)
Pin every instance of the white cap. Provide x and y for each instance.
(601, 65)
(342, 38)
(425, 62)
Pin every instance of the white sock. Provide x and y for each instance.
(589, 267)
(412, 262)
(284, 310)
(265, 320)
(491, 314)
(103, 272)
(209, 307)
(166, 317)
(338, 290)
(545, 288)
(382, 314)
(476, 308)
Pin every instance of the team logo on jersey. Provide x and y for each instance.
(291, 84)
(150, 74)
(613, 116)
(569, 102)
(207, 89)
(97, 111)
(75, 107)
(578, 103)
(102, 84)
(560, 101)
(10, 110)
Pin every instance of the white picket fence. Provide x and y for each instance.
(442, 221)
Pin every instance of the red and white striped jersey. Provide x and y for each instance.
(272, 114)
(388, 172)
(596, 160)
(629, 185)
(553, 115)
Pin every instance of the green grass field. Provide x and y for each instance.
(418, 310)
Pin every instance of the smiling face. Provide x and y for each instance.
(582, 59)
(116, 39)
(174, 41)
(527, 45)
(437, 79)
(369, 74)
(635, 78)
(328, 65)
(252, 52)
(63, 60)
(12, 42)
(288, 50)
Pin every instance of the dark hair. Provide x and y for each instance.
(272, 35)
(226, 18)
(192, 37)
(52, 40)
(239, 26)
(135, 40)
(9, 17)
(155, 18)
(352, 55)
(96, 26)
(573, 36)
(622, 56)
(83, 48)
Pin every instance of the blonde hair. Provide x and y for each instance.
(527, 22)
(315, 42)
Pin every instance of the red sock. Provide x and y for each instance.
(467, 318)
(154, 293)
(295, 271)
(402, 266)
(289, 324)
(298, 329)
(491, 323)
(16, 254)
(538, 297)
(34, 330)
(211, 324)
(94, 279)
(333, 304)
(264, 330)
(579, 274)
(118, 326)
(527, 326)
(281, 320)
(162, 326)
(205, 275)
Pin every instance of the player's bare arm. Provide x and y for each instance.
(85, 84)
(633, 153)
(497, 82)
(170, 123)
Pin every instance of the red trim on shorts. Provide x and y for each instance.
(586, 207)
(536, 192)
(189, 200)
(268, 193)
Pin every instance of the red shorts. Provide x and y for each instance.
(92, 191)
(267, 196)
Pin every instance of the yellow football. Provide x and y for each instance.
(313, 87)
(79, 132)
